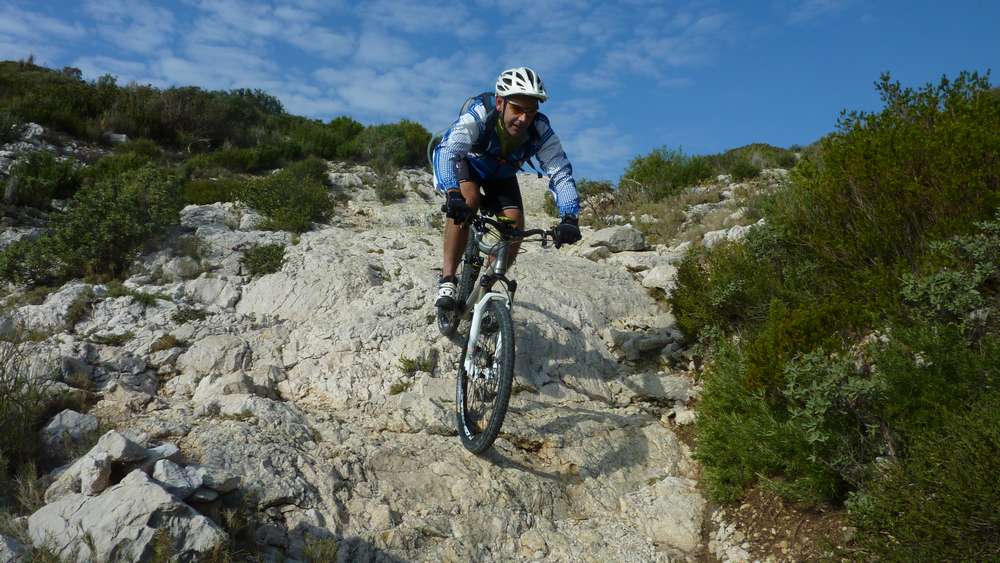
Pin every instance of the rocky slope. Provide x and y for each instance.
(288, 398)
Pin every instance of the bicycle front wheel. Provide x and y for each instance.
(483, 394)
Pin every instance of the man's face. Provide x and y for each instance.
(518, 113)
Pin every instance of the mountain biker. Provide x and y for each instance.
(484, 149)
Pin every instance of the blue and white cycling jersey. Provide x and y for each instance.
(543, 145)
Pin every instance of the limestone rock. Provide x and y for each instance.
(662, 277)
(670, 512)
(118, 524)
(68, 427)
(619, 239)
(177, 480)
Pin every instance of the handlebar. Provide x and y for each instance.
(506, 230)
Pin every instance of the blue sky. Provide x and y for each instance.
(625, 76)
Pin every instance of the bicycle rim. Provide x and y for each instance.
(483, 395)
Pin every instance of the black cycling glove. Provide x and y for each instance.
(567, 232)
(457, 209)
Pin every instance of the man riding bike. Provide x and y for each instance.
(485, 148)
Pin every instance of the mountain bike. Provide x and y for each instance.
(486, 366)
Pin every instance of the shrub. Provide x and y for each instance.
(100, 232)
(204, 191)
(10, 127)
(387, 187)
(39, 177)
(940, 503)
(111, 166)
(925, 167)
(21, 408)
(850, 246)
(745, 170)
(188, 314)
(665, 172)
(291, 199)
(141, 147)
(391, 145)
(263, 259)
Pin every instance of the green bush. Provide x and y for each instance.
(874, 232)
(263, 259)
(925, 167)
(21, 408)
(938, 504)
(111, 166)
(204, 192)
(10, 127)
(745, 170)
(101, 231)
(292, 199)
(39, 177)
(391, 145)
(665, 172)
(741, 436)
(141, 147)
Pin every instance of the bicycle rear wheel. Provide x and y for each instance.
(448, 320)
(482, 396)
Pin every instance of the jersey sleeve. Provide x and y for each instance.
(455, 145)
(557, 167)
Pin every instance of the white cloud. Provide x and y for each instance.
(433, 18)
(134, 26)
(807, 10)
(601, 149)
(254, 25)
(15, 22)
(381, 49)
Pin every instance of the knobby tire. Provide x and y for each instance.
(476, 428)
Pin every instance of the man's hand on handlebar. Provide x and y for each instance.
(567, 232)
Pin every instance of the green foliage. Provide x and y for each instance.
(10, 127)
(39, 177)
(188, 314)
(754, 156)
(182, 117)
(387, 187)
(100, 232)
(141, 147)
(940, 503)
(111, 166)
(263, 259)
(872, 233)
(391, 146)
(740, 435)
(21, 408)
(205, 191)
(665, 172)
(293, 198)
(745, 170)
(330, 141)
(925, 167)
(426, 362)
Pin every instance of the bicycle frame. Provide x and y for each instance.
(478, 300)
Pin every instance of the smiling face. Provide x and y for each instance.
(517, 113)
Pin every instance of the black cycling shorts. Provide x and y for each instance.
(498, 194)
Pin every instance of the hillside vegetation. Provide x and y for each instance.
(853, 338)
(186, 146)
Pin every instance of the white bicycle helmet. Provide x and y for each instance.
(521, 80)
